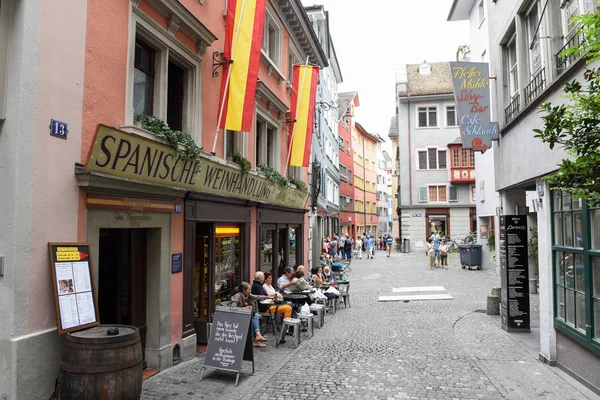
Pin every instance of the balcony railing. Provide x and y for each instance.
(535, 87)
(512, 110)
(562, 63)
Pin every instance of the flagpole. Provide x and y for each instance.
(293, 123)
(234, 47)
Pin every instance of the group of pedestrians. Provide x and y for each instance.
(339, 246)
(437, 252)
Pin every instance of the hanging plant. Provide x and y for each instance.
(272, 175)
(299, 184)
(241, 161)
(182, 142)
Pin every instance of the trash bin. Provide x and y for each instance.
(406, 245)
(470, 255)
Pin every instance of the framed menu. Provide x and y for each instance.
(75, 300)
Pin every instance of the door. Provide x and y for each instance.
(122, 279)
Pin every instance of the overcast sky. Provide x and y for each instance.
(372, 37)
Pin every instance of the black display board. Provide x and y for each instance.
(230, 341)
(73, 286)
(514, 272)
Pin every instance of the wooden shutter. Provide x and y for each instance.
(423, 194)
(453, 193)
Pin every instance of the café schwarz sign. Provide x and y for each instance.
(472, 95)
(134, 157)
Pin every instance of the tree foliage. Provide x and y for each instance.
(575, 125)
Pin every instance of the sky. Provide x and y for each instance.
(372, 37)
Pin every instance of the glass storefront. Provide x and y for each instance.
(266, 250)
(228, 269)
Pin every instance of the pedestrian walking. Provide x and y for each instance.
(444, 254)
(430, 254)
(389, 241)
(359, 247)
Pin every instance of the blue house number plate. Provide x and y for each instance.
(58, 129)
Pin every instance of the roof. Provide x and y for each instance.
(460, 10)
(393, 128)
(373, 136)
(458, 140)
(346, 98)
(386, 156)
(439, 81)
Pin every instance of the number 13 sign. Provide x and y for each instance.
(58, 129)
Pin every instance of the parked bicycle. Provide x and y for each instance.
(454, 243)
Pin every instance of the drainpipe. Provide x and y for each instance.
(364, 186)
(409, 152)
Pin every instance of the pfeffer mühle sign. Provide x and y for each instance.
(130, 156)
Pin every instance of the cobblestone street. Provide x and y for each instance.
(435, 349)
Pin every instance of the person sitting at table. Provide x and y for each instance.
(328, 275)
(287, 280)
(317, 276)
(258, 288)
(245, 299)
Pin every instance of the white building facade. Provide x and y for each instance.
(436, 177)
(525, 40)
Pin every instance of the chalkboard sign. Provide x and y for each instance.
(514, 267)
(75, 299)
(230, 340)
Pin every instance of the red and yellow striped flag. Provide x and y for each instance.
(243, 41)
(304, 95)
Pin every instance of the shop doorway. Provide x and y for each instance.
(437, 224)
(217, 271)
(122, 279)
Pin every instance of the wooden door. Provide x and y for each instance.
(137, 297)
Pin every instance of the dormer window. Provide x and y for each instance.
(424, 69)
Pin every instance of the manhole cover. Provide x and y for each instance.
(480, 311)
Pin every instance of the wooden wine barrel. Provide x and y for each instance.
(104, 362)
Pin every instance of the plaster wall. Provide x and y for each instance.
(44, 82)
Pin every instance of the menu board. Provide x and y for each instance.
(230, 340)
(73, 283)
(514, 272)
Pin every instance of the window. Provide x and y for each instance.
(350, 176)
(535, 54)
(437, 194)
(464, 158)
(455, 158)
(576, 249)
(451, 119)
(452, 193)
(164, 79)
(481, 12)
(512, 73)
(473, 193)
(234, 142)
(267, 143)
(442, 159)
(427, 117)
(471, 158)
(143, 85)
(432, 156)
(293, 58)
(272, 39)
(175, 85)
(348, 147)
(432, 159)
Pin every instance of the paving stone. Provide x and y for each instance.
(439, 349)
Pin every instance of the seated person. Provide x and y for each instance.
(329, 276)
(244, 299)
(287, 280)
(317, 276)
(259, 290)
(301, 283)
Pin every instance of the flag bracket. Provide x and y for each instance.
(326, 106)
(219, 60)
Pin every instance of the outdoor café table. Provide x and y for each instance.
(270, 303)
(296, 298)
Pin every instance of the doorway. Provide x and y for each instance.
(122, 279)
